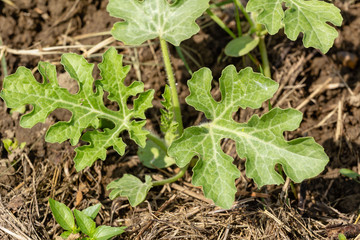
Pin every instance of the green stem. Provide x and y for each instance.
(172, 179)
(246, 15)
(172, 84)
(264, 57)
(220, 23)
(158, 141)
(253, 59)
(237, 19)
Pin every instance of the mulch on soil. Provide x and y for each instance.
(326, 88)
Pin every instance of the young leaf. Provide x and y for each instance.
(351, 174)
(62, 215)
(153, 156)
(92, 211)
(131, 187)
(66, 234)
(107, 232)
(260, 140)
(168, 125)
(148, 19)
(310, 17)
(85, 223)
(241, 46)
(86, 106)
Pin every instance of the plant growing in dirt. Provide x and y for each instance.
(85, 227)
(260, 140)
(308, 17)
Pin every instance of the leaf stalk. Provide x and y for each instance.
(263, 52)
(172, 179)
(158, 141)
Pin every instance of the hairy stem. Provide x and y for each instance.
(263, 52)
(172, 84)
(172, 179)
(158, 141)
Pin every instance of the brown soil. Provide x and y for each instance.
(319, 208)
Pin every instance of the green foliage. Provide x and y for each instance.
(92, 211)
(149, 19)
(310, 17)
(87, 106)
(341, 236)
(84, 222)
(260, 140)
(11, 145)
(153, 156)
(241, 46)
(62, 215)
(168, 125)
(351, 174)
(131, 187)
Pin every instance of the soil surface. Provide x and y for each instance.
(319, 208)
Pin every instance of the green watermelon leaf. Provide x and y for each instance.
(311, 17)
(131, 187)
(260, 140)
(87, 106)
(148, 19)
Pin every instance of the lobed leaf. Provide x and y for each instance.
(87, 106)
(131, 187)
(148, 19)
(311, 17)
(260, 140)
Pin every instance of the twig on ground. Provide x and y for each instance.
(339, 124)
(162, 208)
(13, 234)
(277, 220)
(316, 92)
(99, 46)
(323, 121)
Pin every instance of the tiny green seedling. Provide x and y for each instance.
(350, 174)
(85, 227)
(260, 140)
(11, 145)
